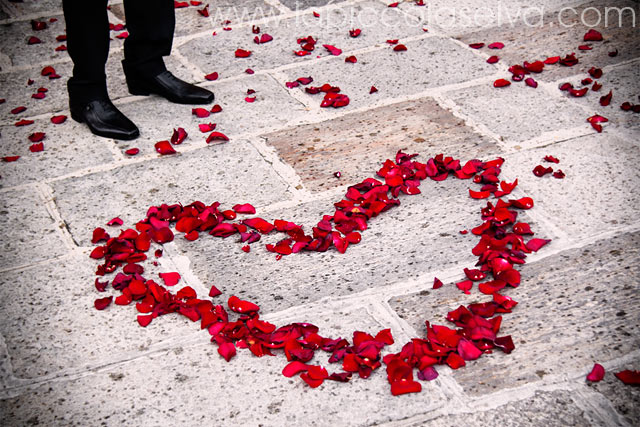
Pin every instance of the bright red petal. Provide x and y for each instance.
(596, 374)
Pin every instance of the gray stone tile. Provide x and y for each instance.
(30, 7)
(68, 147)
(553, 409)
(357, 143)
(625, 398)
(173, 385)
(568, 315)
(518, 113)
(50, 323)
(428, 63)
(216, 53)
(14, 38)
(29, 233)
(237, 115)
(561, 35)
(598, 193)
(420, 235)
(306, 4)
(225, 172)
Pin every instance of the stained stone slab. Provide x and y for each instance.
(30, 7)
(14, 38)
(306, 4)
(420, 235)
(625, 398)
(357, 143)
(561, 34)
(157, 117)
(427, 63)
(518, 113)
(553, 409)
(598, 193)
(216, 53)
(29, 233)
(51, 323)
(226, 173)
(622, 81)
(173, 385)
(576, 308)
(68, 147)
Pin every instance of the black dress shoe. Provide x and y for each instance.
(168, 86)
(104, 119)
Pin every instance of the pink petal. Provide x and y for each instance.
(428, 374)
(206, 127)
(596, 374)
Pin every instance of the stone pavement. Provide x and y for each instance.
(64, 363)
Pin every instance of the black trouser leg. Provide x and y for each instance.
(150, 24)
(88, 46)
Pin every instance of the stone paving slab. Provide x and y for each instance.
(51, 323)
(30, 7)
(419, 236)
(14, 38)
(598, 193)
(216, 53)
(62, 154)
(463, 16)
(625, 399)
(237, 115)
(407, 71)
(355, 144)
(518, 113)
(568, 316)
(29, 232)
(308, 4)
(552, 409)
(187, 384)
(225, 173)
(531, 43)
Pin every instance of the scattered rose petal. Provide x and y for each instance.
(594, 72)
(501, 83)
(316, 14)
(250, 99)
(9, 159)
(36, 148)
(216, 109)
(399, 48)
(245, 209)
(123, 35)
(558, 174)
(18, 110)
(629, 377)
(200, 112)
(596, 374)
(115, 221)
(496, 45)
(241, 53)
(212, 76)
(58, 119)
(531, 82)
(428, 374)
(214, 292)
(36, 136)
(170, 279)
(606, 99)
(373, 90)
(132, 151)
(23, 122)
(535, 244)
(437, 283)
(216, 136)
(614, 53)
(355, 32)
(493, 59)
(394, 4)
(249, 71)
(352, 59)
(206, 127)
(592, 36)
(227, 350)
(551, 159)
(102, 303)
(476, 45)
(164, 148)
(33, 40)
(332, 49)
(178, 136)
(541, 171)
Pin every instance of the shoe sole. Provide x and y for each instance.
(78, 118)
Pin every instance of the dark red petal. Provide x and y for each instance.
(596, 374)
(594, 72)
(18, 110)
(58, 119)
(428, 374)
(33, 40)
(394, 4)
(316, 14)
(531, 82)
(592, 36)
(217, 136)
(399, 48)
(476, 45)
(249, 71)
(551, 159)
(373, 89)
(584, 47)
(132, 151)
(170, 279)
(613, 53)
(559, 174)
(493, 59)
(606, 100)
(496, 45)
(541, 171)
(214, 292)
(227, 350)
(164, 148)
(216, 109)
(352, 59)
(404, 387)
(355, 33)
(241, 53)
(384, 336)
(629, 377)
(102, 303)
(9, 159)
(501, 83)
(36, 148)
(552, 60)
(212, 76)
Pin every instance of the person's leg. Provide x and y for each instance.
(87, 25)
(151, 24)
(88, 46)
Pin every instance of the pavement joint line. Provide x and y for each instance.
(298, 95)
(591, 401)
(175, 261)
(196, 72)
(32, 265)
(46, 195)
(382, 312)
(276, 4)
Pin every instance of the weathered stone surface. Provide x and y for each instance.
(407, 71)
(598, 193)
(226, 173)
(217, 53)
(357, 144)
(561, 34)
(67, 147)
(625, 398)
(576, 308)
(306, 4)
(45, 8)
(553, 409)
(15, 35)
(177, 382)
(51, 323)
(518, 113)
(420, 235)
(29, 234)
(237, 115)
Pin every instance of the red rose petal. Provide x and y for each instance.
(178, 136)
(552, 60)
(241, 53)
(541, 171)
(216, 136)
(316, 14)
(373, 90)
(170, 279)
(501, 83)
(132, 151)
(33, 40)
(596, 374)
(476, 45)
(227, 350)
(465, 286)
(245, 209)
(123, 35)
(592, 36)
(629, 377)
(404, 387)
(535, 244)
(496, 45)
(212, 76)
(531, 82)
(9, 159)
(102, 303)
(393, 41)
(241, 306)
(559, 174)
(594, 72)
(294, 368)
(332, 49)
(437, 283)
(479, 194)
(551, 159)
(164, 148)
(214, 292)
(200, 112)
(613, 53)
(493, 59)
(18, 110)
(352, 59)
(399, 48)
(606, 100)
(115, 221)
(206, 127)
(355, 32)
(36, 136)
(428, 374)
(216, 109)
(58, 119)
(250, 99)
(467, 350)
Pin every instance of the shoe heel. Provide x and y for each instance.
(136, 88)
(77, 116)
